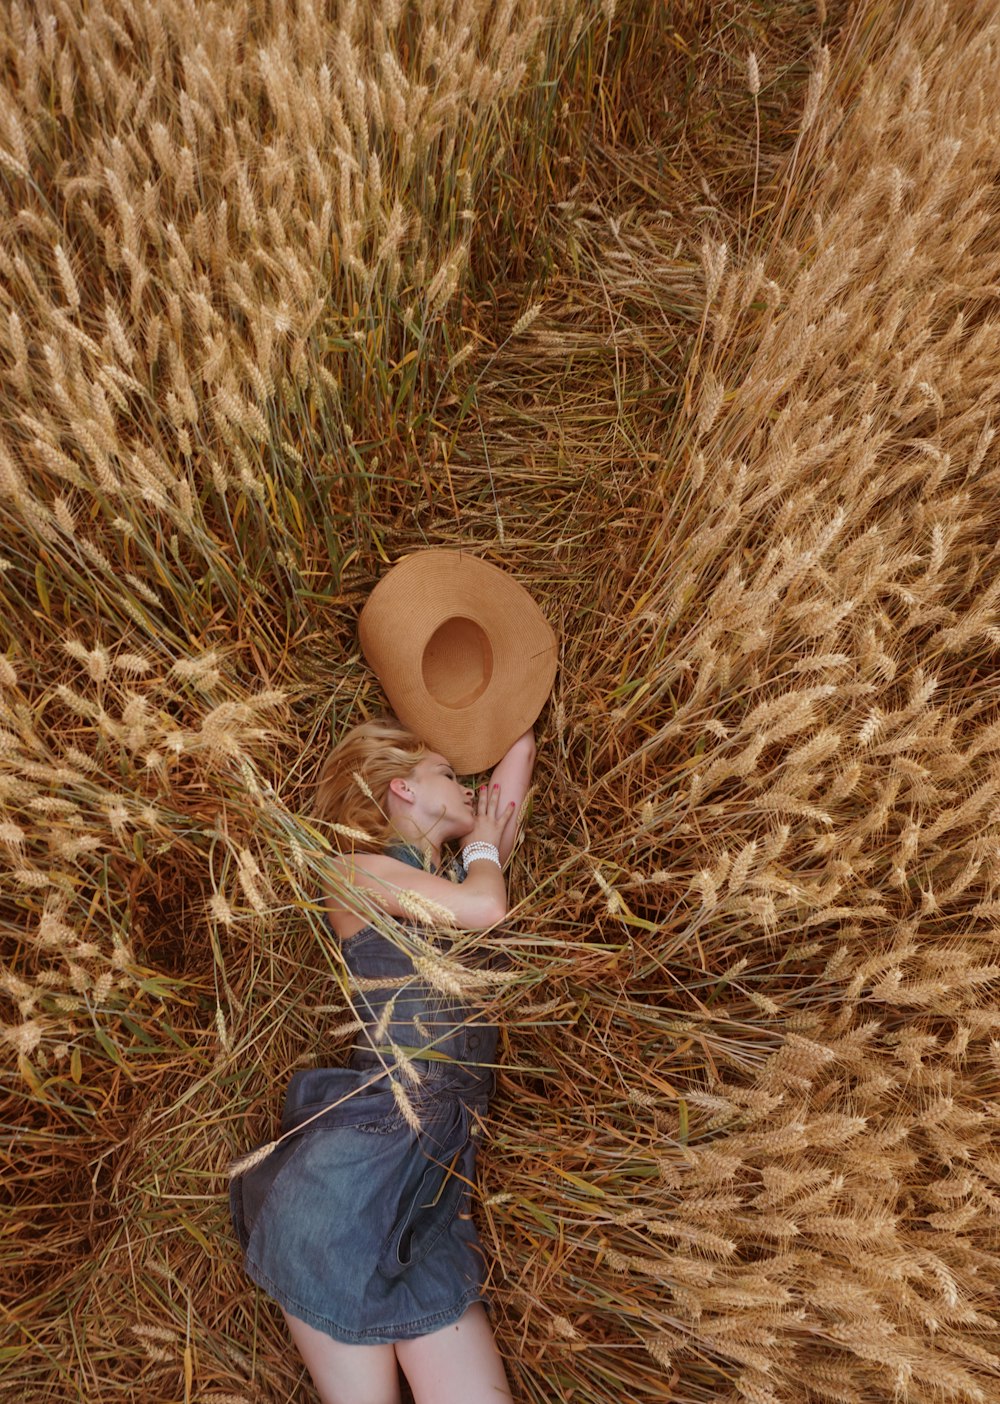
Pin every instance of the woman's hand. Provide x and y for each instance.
(492, 816)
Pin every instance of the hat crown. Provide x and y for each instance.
(457, 663)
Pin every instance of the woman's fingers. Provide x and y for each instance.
(501, 812)
(489, 797)
(492, 815)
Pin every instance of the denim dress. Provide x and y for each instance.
(357, 1223)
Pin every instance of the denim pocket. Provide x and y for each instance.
(425, 1217)
(376, 1115)
(330, 1097)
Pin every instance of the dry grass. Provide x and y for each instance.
(716, 380)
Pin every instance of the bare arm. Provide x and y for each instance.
(477, 903)
(513, 776)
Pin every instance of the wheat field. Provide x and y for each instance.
(686, 314)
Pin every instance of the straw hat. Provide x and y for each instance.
(464, 654)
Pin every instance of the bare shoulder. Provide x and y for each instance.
(374, 877)
(379, 881)
(380, 877)
(356, 867)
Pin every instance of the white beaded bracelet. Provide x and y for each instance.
(474, 852)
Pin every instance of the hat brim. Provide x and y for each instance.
(404, 612)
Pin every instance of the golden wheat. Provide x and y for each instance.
(745, 1139)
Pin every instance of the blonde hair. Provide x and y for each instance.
(354, 782)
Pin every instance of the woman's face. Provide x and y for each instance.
(438, 798)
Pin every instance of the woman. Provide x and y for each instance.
(358, 1223)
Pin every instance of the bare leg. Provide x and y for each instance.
(346, 1374)
(457, 1365)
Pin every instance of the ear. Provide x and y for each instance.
(399, 787)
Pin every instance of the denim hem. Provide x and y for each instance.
(371, 1335)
